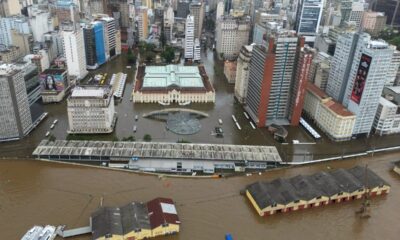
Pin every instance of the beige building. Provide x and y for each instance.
(10, 54)
(242, 73)
(333, 118)
(374, 22)
(143, 23)
(230, 71)
(172, 83)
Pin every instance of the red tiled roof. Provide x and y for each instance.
(157, 216)
(316, 90)
(338, 108)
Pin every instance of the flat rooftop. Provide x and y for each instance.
(90, 92)
(157, 150)
(165, 76)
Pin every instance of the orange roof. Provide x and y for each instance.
(316, 90)
(338, 108)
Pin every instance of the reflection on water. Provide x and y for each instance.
(33, 192)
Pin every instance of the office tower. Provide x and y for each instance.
(97, 6)
(183, 8)
(301, 76)
(393, 70)
(19, 24)
(347, 47)
(319, 71)
(10, 8)
(53, 44)
(94, 44)
(74, 51)
(309, 15)
(67, 11)
(196, 50)
(270, 79)
(189, 37)
(366, 81)
(242, 73)
(357, 12)
(15, 116)
(142, 23)
(168, 23)
(91, 110)
(41, 23)
(387, 119)
(110, 30)
(231, 34)
(391, 8)
(220, 10)
(197, 11)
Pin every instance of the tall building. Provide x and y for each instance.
(183, 8)
(242, 73)
(357, 12)
(220, 10)
(110, 31)
(196, 50)
(197, 11)
(142, 23)
(91, 110)
(168, 23)
(387, 119)
(347, 47)
(390, 8)
(365, 83)
(10, 8)
(301, 76)
(309, 15)
(231, 34)
(189, 37)
(270, 79)
(94, 44)
(15, 116)
(41, 23)
(74, 51)
(67, 11)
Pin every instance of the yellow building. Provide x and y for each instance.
(302, 192)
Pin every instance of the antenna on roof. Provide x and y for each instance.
(365, 209)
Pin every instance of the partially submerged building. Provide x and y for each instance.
(172, 83)
(323, 188)
(136, 220)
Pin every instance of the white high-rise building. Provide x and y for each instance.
(74, 51)
(242, 73)
(231, 34)
(309, 15)
(393, 69)
(168, 23)
(189, 37)
(196, 50)
(220, 10)
(357, 12)
(366, 81)
(15, 115)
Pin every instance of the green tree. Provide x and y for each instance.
(149, 56)
(115, 139)
(210, 24)
(168, 54)
(163, 39)
(129, 139)
(147, 138)
(52, 138)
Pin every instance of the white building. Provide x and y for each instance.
(197, 11)
(110, 33)
(74, 51)
(220, 10)
(231, 34)
(387, 118)
(357, 12)
(365, 83)
(15, 115)
(168, 23)
(393, 68)
(309, 15)
(91, 110)
(196, 50)
(189, 37)
(242, 73)
(41, 23)
(330, 116)
(142, 23)
(172, 83)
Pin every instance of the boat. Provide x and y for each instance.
(33, 233)
(55, 121)
(246, 115)
(136, 117)
(47, 134)
(134, 128)
(228, 236)
(184, 103)
(48, 233)
(52, 126)
(220, 121)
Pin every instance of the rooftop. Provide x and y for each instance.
(165, 76)
(338, 108)
(90, 92)
(159, 150)
(316, 91)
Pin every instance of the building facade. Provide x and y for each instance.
(309, 14)
(172, 83)
(54, 85)
(242, 73)
(230, 71)
(74, 51)
(374, 22)
(91, 110)
(189, 37)
(94, 45)
(197, 11)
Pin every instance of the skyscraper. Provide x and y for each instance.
(142, 23)
(309, 15)
(15, 115)
(168, 23)
(270, 79)
(189, 37)
(74, 51)
(366, 82)
(94, 44)
(197, 11)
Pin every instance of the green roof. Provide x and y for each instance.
(165, 76)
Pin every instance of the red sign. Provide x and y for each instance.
(361, 77)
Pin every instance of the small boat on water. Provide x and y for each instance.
(136, 117)
(220, 121)
(55, 121)
(52, 126)
(33, 233)
(134, 128)
(163, 103)
(47, 134)
(228, 236)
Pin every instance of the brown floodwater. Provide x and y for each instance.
(34, 192)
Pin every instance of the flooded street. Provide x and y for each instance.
(33, 192)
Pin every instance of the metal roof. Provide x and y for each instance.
(159, 150)
(164, 76)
